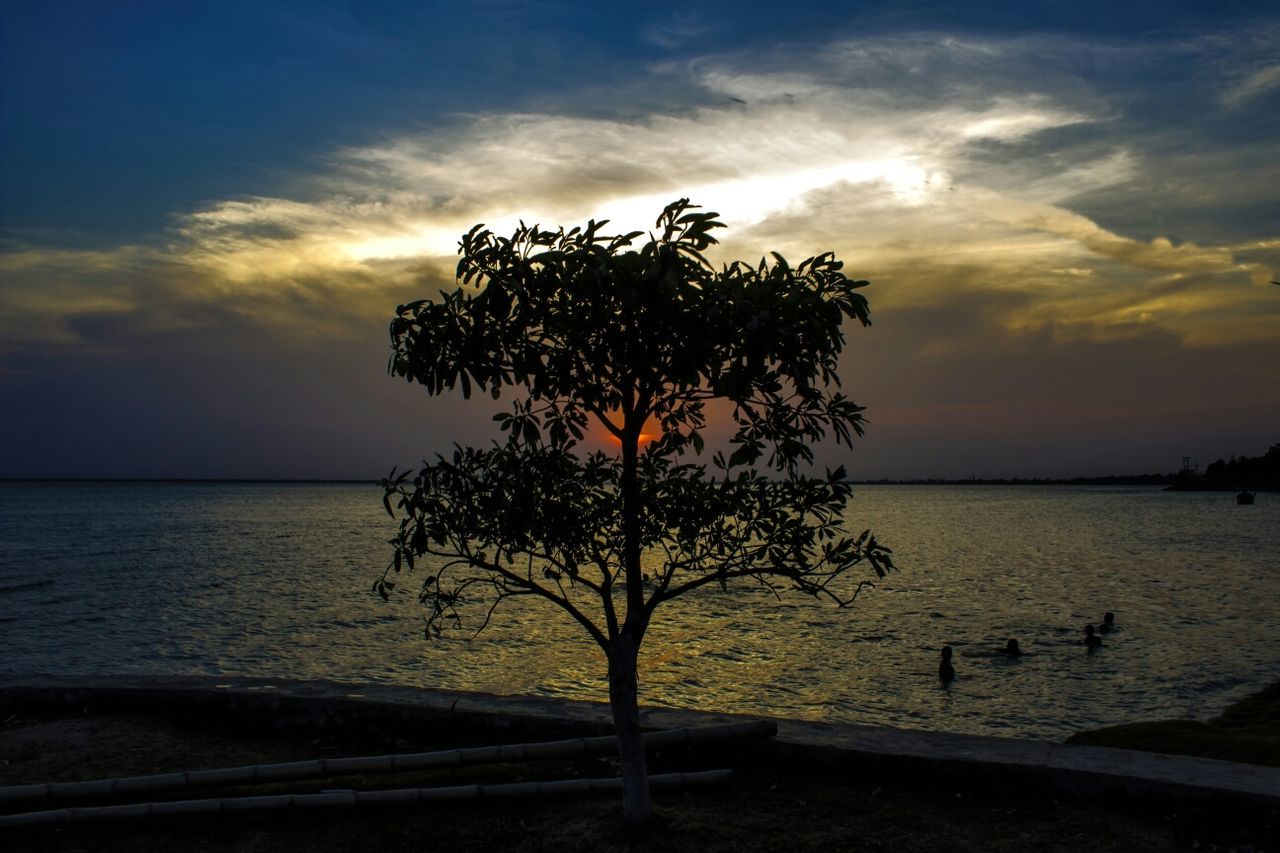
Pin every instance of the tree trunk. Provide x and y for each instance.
(623, 688)
(624, 703)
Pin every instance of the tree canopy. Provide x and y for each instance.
(589, 329)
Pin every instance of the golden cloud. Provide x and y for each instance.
(803, 161)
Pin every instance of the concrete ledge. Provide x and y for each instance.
(387, 710)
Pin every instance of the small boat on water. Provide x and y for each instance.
(1245, 498)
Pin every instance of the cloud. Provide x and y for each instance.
(881, 149)
(1018, 199)
(43, 288)
(109, 300)
(1256, 84)
(676, 31)
(1246, 63)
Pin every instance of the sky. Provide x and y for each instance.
(1069, 213)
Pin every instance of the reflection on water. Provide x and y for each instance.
(273, 580)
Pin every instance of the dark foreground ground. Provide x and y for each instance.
(765, 807)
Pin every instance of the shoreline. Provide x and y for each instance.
(326, 706)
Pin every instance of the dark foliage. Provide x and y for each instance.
(1246, 472)
(590, 329)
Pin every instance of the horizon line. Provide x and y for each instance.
(860, 481)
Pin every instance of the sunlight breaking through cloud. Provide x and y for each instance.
(1070, 238)
(906, 156)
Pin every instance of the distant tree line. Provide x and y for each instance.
(1233, 474)
(1240, 472)
(1119, 480)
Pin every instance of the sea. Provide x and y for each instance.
(275, 580)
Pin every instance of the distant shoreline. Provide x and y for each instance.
(1129, 480)
(1169, 482)
(181, 480)
(1141, 480)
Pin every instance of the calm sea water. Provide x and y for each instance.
(274, 580)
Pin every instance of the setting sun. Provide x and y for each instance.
(645, 438)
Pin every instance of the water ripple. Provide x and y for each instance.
(273, 580)
(29, 585)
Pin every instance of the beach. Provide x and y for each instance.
(800, 801)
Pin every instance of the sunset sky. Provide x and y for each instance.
(1069, 213)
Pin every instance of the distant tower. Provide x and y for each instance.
(1189, 467)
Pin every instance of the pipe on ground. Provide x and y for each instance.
(323, 767)
(286, 802)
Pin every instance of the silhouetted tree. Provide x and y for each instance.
(586, 329)
(1245, 472)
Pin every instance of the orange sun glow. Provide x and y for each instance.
(645, 438)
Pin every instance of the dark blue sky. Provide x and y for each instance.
(117, 115)
(207, 211)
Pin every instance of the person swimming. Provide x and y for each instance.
(946, 672)
(1092, 640)
(1010, 649)
(1108, 622)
